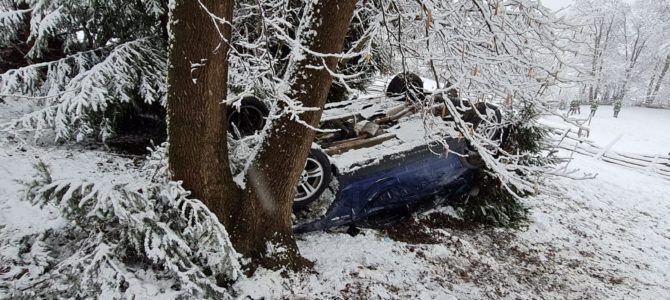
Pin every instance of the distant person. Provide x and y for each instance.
(574, 107)
(594, 107)
(617, 108)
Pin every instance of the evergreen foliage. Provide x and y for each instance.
(116, 229)
(490, 202)
(109, 55)
(10, 22)
(113, 55)
(363, 38)
(526, 137)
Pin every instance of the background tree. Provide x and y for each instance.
(621, 50)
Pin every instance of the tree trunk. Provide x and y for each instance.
(650, 87)
(262, 228)
(598, 56)
(258, 218)
(638, 46)
(198, 150)
(664, 71)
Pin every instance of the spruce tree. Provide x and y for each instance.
(84, 61)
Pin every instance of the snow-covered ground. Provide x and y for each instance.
(603, 238)
(642, 130)
(607, 238)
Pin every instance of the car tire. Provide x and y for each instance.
(315, 178)
(249, 118)
(473, 116)
(406, 84)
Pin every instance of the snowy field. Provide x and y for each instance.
(593, 239)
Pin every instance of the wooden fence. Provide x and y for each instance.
(567, 139)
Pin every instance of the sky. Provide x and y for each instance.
(556, 4)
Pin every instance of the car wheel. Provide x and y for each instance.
(249, 118)
(486, 120)
(314, 179)
(406, 84)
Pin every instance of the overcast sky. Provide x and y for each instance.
(556, 4)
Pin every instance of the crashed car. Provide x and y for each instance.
(374, 160)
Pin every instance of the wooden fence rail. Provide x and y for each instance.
(659, 164)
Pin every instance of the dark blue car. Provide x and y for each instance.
(397, 184)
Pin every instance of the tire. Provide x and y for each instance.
(472, 160)
(474, 116)
(249, 118)
(314, 179)
(460, 105)
(408, 84)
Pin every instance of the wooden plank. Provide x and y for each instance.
(358, 143)
(650, 163)
(659, 164)
(342, 117)
(620, 163)
(645, 157)
(614, 156)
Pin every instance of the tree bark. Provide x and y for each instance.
(258, 218)
(638, 46)
(198, 150)
(650, 87)
(598, 55)
(262, 228)
(664, 71)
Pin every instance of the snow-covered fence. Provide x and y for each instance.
(659, 164)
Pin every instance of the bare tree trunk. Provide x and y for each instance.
(638, 46)
(198, 151)
(606, 92)
(600, 47)
(664, 71)
(648, 100)
(263, 216)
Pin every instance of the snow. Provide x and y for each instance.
(409, 132)
(16, 165)
(603, 238)
(644, 130)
